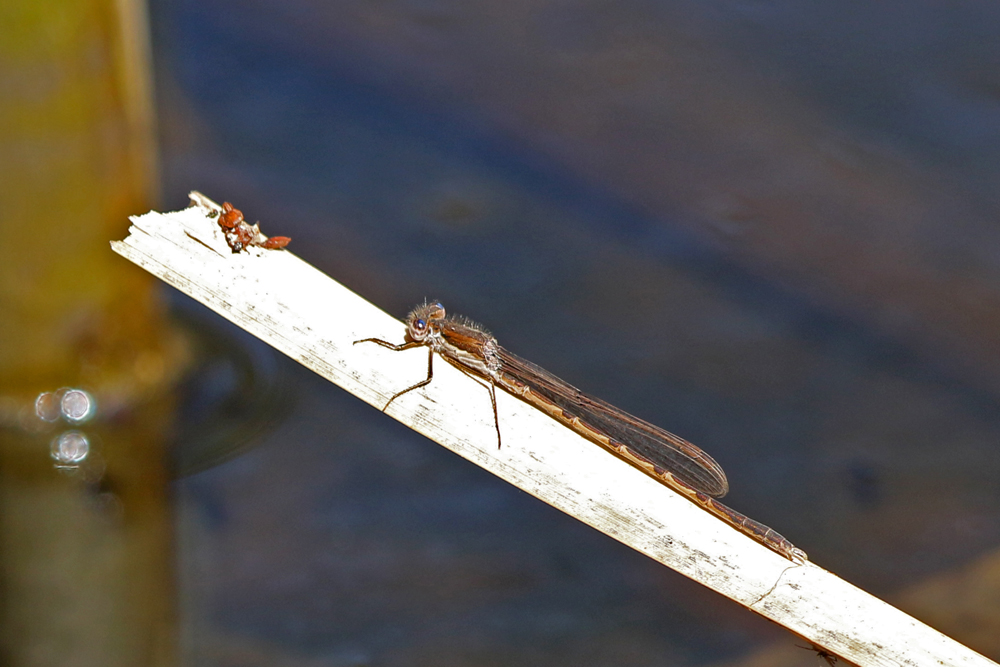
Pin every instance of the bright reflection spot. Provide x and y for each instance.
(47, 406)
(70, 448)
(77, 405)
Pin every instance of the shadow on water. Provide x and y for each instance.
(235, 392)
(86, 518)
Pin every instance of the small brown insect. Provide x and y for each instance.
(240, 234)
(229, 217)
(275, 242)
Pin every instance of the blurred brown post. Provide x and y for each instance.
(86, 564)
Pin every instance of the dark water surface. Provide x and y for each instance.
(768, 227)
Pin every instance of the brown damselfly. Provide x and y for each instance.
(666, 457)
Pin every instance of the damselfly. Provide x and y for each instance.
(666, 457)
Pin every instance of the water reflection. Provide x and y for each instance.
(69, 449)
(77, 405)
(74, 405)
(47, 406)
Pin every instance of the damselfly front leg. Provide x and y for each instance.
(399, 348)
(490, 387)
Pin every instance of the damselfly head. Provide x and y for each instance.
(418, 322)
